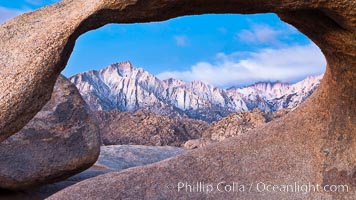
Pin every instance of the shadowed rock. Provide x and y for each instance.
(60, 141)
(315, 143)
(115, 157)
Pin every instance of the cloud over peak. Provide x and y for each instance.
(288, 64)
(265, 34)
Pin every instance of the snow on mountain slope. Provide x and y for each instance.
(269, 96)
(124, 87)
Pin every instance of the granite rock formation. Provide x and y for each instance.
(111, 158)
(234, 125)
(145, 128)
(315, 143)
(193, 144)
(60, 141)
(240, 123)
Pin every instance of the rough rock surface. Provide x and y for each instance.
(314, 143)
(234, 125)
(146, 128)
(111, 158)
(60, 141)
(239, 123)
(193, 144)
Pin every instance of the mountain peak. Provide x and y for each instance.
(124, 65)
(124, 69)
(127, 66)
(124, 87)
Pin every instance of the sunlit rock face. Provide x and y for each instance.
(126, 88)
(314, 143)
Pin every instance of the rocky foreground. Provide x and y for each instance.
(60, 141)
(63, 139)
(315, 143)
(111, 158)
(59, 119)
(66, 122)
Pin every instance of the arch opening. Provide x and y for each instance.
(96, 14)
(320, 133)
(224, 55)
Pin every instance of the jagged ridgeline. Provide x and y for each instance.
(126, 88)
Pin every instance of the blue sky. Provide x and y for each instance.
(224, 50)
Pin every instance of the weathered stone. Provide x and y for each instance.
(235, 124)
(114, 157)
(311, 144)
(46, 50)
(193, 144)
(60, 141)
(275, 154)
(145, 128)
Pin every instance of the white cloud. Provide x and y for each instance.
(181, 40)
(265, 34)
(287, 64)
(7, 13)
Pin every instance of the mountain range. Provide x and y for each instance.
(127, 88)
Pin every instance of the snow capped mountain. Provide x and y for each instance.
(124, 87)
(269, 96)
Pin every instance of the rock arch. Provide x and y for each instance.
(316, 142)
